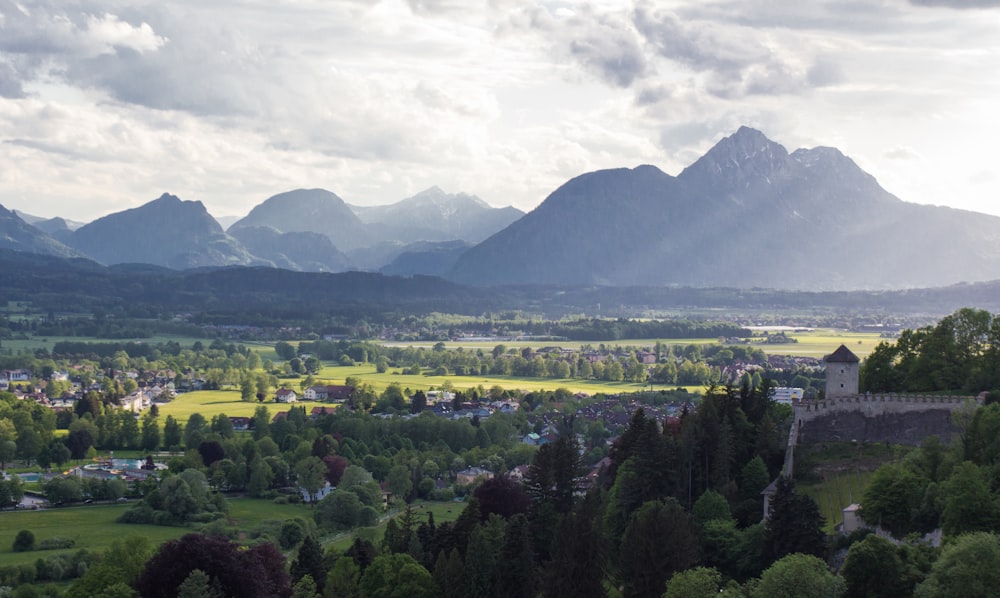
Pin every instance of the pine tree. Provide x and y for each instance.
(795, 525)
(309, 562)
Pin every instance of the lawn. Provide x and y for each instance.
(366, 373)
(92, 527)
(210, 403)
(836, 491)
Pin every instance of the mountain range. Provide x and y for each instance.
(300, 230)
(746, 214)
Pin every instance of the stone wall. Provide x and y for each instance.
(893, 418)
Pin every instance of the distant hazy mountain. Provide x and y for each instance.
(433, 215)
(302, 251)
(431, 259)
(747, 214)
(309, 210)
(165, 232)
(18, 235)
(46, 223)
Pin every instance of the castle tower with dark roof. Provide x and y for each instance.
(842, 369)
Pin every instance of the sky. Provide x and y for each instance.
(105, 105)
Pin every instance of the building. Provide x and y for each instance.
(787, 395)
(285, 395)
(842, 371)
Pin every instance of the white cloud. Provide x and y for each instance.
(114, 102)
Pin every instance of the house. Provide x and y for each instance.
(316, 393)
(16, 375)
(318, 412)
(339, 394)
(240, 423)
(471, 474)
(285, 395)
(330, 392)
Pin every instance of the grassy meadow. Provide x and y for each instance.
(210, 403)
(366, 373)
(93, 527)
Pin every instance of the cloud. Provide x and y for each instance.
(10, 85)
(957, 4)
(902, 153)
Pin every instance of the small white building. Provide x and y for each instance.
(787, 395)
(852, 518)
(285, 395)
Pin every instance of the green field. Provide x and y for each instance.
(210, 403)
(366, 373)
(95, 527)
(91, 527)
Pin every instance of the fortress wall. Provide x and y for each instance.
(894, 418)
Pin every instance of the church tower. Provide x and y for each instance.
(842, 369)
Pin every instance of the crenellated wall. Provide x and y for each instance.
(895, 418)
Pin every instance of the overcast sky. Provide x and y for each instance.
(104, 105)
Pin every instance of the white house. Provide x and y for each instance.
(286, 395)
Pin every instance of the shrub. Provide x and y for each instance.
(24, 541)
(56, 543)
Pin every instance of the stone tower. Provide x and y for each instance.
(842, 367)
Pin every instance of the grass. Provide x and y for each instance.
(443, 512)
(91, 527)
(836, 491)
(210, 403)
(366, 373)
(95, 527)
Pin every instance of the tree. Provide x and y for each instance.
(198, 585)
(120, 564)
(309, 562)
(342, 581)
(873, 569)
(310, 473)
(399, 481)
(11, 491)
(892, 498)
(798, 576)
(519, 578)
(194, 431)
(660, 540)
(969, 504)
(8, 451)
(335, 468)
(258, 572)
(24, 541)
(694, 583)
(503, 496)
(173, 432)
(150, 432)
(795, 524)
(338, 510)
(63, 490)
(397, 576)
(969, 567)
(579, 553)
